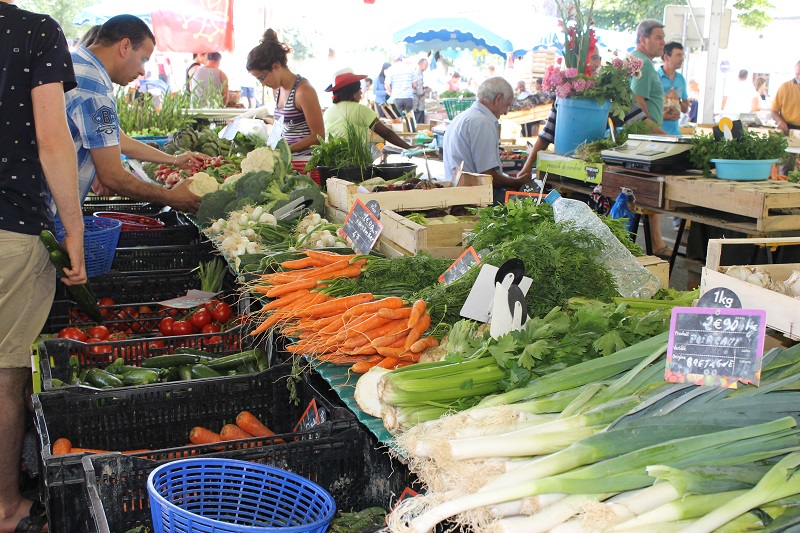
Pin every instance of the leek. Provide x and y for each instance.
(550, 516)
(691, 506)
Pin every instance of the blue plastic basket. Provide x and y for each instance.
(232, 496)
(100, 236)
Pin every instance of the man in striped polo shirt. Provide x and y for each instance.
(399, 84)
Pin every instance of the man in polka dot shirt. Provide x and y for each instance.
(117, 55)
(37, 158)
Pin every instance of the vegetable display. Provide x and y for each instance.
(751, 145)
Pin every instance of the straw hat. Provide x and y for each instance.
(343, 78)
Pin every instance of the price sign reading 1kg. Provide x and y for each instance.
(361, 228)
(719, 347)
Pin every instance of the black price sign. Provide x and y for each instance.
(361, 227)
(460, 266)
(717, 347)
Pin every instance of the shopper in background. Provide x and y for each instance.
(743, 97)
(379, 90)
(122, 47)
(346, 109)
(295, 99)
(398, 83)
(676, 97)
(38, 160)
(455, 82)
(472, 137)
(420, 90)
(208, 80)
(198, 60)
(786, 104)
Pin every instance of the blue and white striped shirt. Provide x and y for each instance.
(91, 114)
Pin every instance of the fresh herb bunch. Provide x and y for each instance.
(794, 176)
(457, 94)
(353, 149)
(749, 146)
(400, 276)
(590, 152)
(141, 116)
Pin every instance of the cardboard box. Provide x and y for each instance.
(569, 167)
(472, 189)
(658, 267)
(410, 238)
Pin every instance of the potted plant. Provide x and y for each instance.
(747, 158)
(584, 98)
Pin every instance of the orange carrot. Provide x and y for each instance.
(416, 332)
(364, 327)
(409, 356)
(423, 344)
(87, 450)
(62, 446)
(389, 362)
(337, 305)
(398, 331)
(285, 299)
(361, 350)
(131, 452)
(270, 321)
(363, 366)
(327, 257)
(392, 302)
(234, 432)
(416, 312)
(403, 312)
(320, 271)
(341, 359)
(249, 423)
(200, 435)
(391, 352)
(349, 272)
(286, 288)
(304, 262)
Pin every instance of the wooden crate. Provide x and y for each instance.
(783, 312)
(410, 238)
(647, 188)
(768, 203)
(472, 189)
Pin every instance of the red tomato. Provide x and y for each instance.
(165, 326)
(156, 345)
(105, 302)
(181, 327)
(213, 327)
(72, 333)
(222, 313)
(101, 349)
(145, 309)
(216, 339)
(117, 337)
(100, 332)
(93, 340)
(200, 319)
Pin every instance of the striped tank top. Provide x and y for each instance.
(295, 127)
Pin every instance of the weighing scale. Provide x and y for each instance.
(651, 153)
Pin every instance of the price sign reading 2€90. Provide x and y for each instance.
(361, 227)
(718, 347)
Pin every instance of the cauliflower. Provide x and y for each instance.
(259, 159)
(230, 180)
(202, 184)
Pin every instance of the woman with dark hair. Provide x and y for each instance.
(379, 89)
(346, 89)
(295, 99)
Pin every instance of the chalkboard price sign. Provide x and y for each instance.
(361, 228)
(460, 266)
(522, 195)
(719, 347)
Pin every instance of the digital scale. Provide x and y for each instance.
(651, 153)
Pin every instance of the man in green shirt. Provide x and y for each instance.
(647, 88)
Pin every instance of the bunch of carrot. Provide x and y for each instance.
(247, 426)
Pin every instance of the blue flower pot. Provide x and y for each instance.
(743, 169)
(579, 120)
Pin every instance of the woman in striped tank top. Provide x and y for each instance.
(295, 99)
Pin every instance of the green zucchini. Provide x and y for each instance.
(185, 372)
(200, 371)
(82, 294)
(101, 378)
(141, 376)
(74, 370)
(116, 366)
(202, 353)
(232, 361)
(169, 361)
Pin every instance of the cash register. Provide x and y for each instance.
(651, 153)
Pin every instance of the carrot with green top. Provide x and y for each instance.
(285, 300)
(303, 262)
(391, 302)
(327, 257)
(424, 343)
(337, 305)
(389, 362)
(402, 312)
(417, 310)
(416, 332)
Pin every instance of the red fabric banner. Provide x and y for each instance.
(194, 26)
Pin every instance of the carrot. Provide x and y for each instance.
(360, 350)
(286, 299)
(423, 344)
(416, 332)
(409, 357)
(390, 352)
(349, 272)
(270, 321)
(402, 312)
(286, 288)
(304, 262)
(337, 305)
(389, 362)
(234, 432)
(130, 452)
(398, 331)
(321, 323)
(200, 435)
(392, 302)
(62, 446)
(364, 327)
(340, 359)
(363, 366)
(327, 257)
(320, 271)
(87, 450)
(416, 312)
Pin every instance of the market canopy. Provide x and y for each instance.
(440, 33)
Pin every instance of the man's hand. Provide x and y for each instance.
(182, 199)
(100, 189)
(670, 113)
(190, 159)
(73, 244)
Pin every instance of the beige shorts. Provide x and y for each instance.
(27, 287)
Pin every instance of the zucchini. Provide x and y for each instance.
(201, 371)
(116, 366)
(202, 353)
(185, 372)
(74, 370)
(102, 379)
(169, 361)
(232, 361)
(82, 294)
(141, 376)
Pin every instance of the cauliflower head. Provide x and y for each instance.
(259, 159)
(202, 184)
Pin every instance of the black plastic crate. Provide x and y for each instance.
(159, 418)
(126, 287)
(54, 354)
(147, 258)
(177, 231)
(94, 204)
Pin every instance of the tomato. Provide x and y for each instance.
(145, 310)
(93, 340)
(117, 337)
(181, 327)
(105, 302)
(222, 313)
(156, 345)
(216, 339)
(200, 319)
(101, 349)
(165, 326)
(211, 304)
(212, 327)
(100, 332)
(72, 333)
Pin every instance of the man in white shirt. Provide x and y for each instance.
(743, 97)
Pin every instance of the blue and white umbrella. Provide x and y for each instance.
(101, 12)
(442, 33)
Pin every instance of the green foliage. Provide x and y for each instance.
(753, 13)
(613, 15)
(301, 41)
(576, 24)
(750, 146)
(63, 12)
(353, 149)
(141, 116)
(457, 94)
(590, 152)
